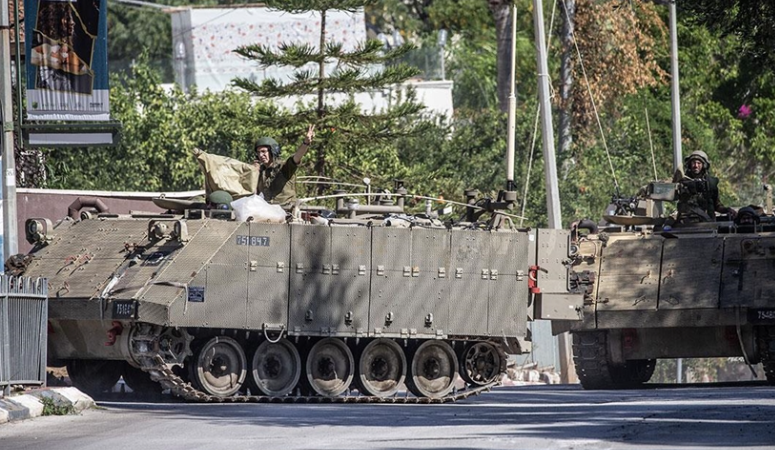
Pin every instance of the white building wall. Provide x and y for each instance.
(204, 40)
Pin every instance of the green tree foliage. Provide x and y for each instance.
(753, 21)
(423, 17)
(345, 132)
(716, 81)
(134, 29)
(160, 128)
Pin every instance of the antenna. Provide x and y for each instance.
(510, 186)
(651, 144)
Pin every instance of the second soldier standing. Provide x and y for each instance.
(698, 198)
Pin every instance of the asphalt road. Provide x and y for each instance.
(557, 417)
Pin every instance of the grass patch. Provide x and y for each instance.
(50, 407)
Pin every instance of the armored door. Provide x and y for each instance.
(629, 274)
(507, 304)
(691, 272)
(470, 283)
(269, 248)
(748, 275)
(310, 279)
(429, 306)
(348, 299)
(391, 281)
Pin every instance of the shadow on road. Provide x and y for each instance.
(693, 417)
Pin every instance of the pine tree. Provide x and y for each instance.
(341, 127)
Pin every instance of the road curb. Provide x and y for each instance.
(67, 400)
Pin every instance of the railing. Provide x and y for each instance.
(23, 331)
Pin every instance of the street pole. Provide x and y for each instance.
(547, 129)
(567, 370)
(10, 244)
(675, 93)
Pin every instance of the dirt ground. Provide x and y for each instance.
(57, 376)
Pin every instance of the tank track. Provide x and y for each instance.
(153, 363)
(766, 338)
(595, 371)
(590, 356)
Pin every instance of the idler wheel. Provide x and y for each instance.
(220, 367)
(433, 370)
(481, 364)
(276, 368)
(381, 368)
(330, 367)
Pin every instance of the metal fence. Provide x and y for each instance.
(23, 331)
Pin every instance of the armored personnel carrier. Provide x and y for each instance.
(217, 309)
(654, 290)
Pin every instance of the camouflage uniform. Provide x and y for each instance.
(278, 182)
(698, 199)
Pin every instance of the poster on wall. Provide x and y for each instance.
(67, 63)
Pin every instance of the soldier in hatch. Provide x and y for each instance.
(698, 192)
(277, 178)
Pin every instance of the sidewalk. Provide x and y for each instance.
(43, 402)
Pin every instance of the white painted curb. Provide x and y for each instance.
(31, 403)
(28, 406)
(67, 396)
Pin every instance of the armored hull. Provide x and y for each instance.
(214, 309)
(700, 290)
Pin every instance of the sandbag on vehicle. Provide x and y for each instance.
(256, 207)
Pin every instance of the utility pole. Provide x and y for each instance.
(567, 372)
(675, 93)
(547, 129)
(10, 244)
(675, 96)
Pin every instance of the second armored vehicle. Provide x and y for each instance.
(654, 291)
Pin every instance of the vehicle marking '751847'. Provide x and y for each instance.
(254, 241)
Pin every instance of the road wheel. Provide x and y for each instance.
(381, 368)
(275, 368)
(433, 370)
(220, 367)
(330, 367)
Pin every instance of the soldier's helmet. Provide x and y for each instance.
(220, 200)
(697, 154)
(274, 147)
(747, 216)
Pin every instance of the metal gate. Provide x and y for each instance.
(23, 331)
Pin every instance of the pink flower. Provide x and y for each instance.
(744, 112)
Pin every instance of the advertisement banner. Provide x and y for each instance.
(67, 59)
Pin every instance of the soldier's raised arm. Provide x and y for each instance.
(302, 150)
